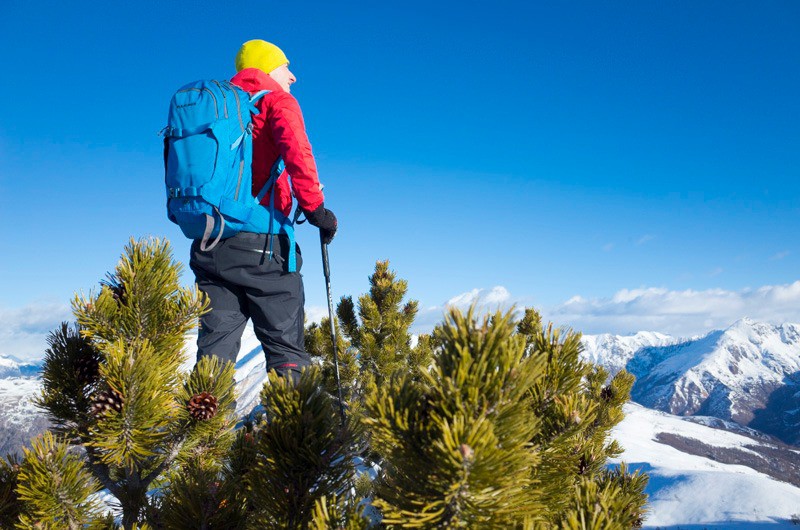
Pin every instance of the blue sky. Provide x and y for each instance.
(629, 154)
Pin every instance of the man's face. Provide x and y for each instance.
(284, 77)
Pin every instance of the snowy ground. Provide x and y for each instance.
(688, 491)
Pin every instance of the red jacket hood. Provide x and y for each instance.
(253, 80)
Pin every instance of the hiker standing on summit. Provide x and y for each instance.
(249, 275)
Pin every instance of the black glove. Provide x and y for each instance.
(323, 219)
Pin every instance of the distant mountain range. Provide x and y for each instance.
(730, 402)
(748, 373)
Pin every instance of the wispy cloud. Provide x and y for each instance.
(608, 247)
(24, 330)
(780, 255)
(681, 313)
(645, 238)
(716, 272)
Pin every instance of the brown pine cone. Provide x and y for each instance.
(607, 393)
(88, 368)
(105, 401)
(202, 406)
(117, 289)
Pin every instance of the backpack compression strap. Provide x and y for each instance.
(286, 224)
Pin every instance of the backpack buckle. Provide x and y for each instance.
(174, 193)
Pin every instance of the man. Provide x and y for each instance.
(247, 275)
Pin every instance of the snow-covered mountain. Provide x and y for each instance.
(614, 351)
(748, 373)
(19, 418)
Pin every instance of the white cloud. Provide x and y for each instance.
(485, 300)
(315, 313)
(681, 313)
(780, 255)
(495, 296)
(24, 330)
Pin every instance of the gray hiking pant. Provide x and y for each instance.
(242, 282)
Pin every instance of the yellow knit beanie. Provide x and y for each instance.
(260, 54)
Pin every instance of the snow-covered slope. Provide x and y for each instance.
(614, 351)
(251, 372)
(19, 418)
(688, 489)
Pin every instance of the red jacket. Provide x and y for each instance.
(279, 130)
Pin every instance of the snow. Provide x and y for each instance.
(16, 401)
(614, 351)
(251, 372)
(686, 489)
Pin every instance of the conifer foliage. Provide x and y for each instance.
(116, 385)
(302, 453)
(54, 488)
(507, 430)
(489, 422)
(456, 444)
(375, 339)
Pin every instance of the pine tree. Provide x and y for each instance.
(487, 423)
(9, 499)
(380, 332)
(115, 385)
(54, 488)
(611, 501)
(374, 340)
(577, 405)
(302, 454)
(338, 513)
(508, 430)
(457, 443)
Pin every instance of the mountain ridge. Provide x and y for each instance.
(748, 373)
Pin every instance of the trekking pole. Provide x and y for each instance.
(327, 270)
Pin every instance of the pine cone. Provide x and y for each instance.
(87, 368)
(105, 401)
(607, 393)
(583, 465)
(117, 289)
(202, 406)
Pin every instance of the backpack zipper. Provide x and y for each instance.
(225, 106)
(238, 109)
(241, 163)
(239, 182)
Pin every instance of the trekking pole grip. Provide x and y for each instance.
(326, 266)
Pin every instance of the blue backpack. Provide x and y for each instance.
(208, 157)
